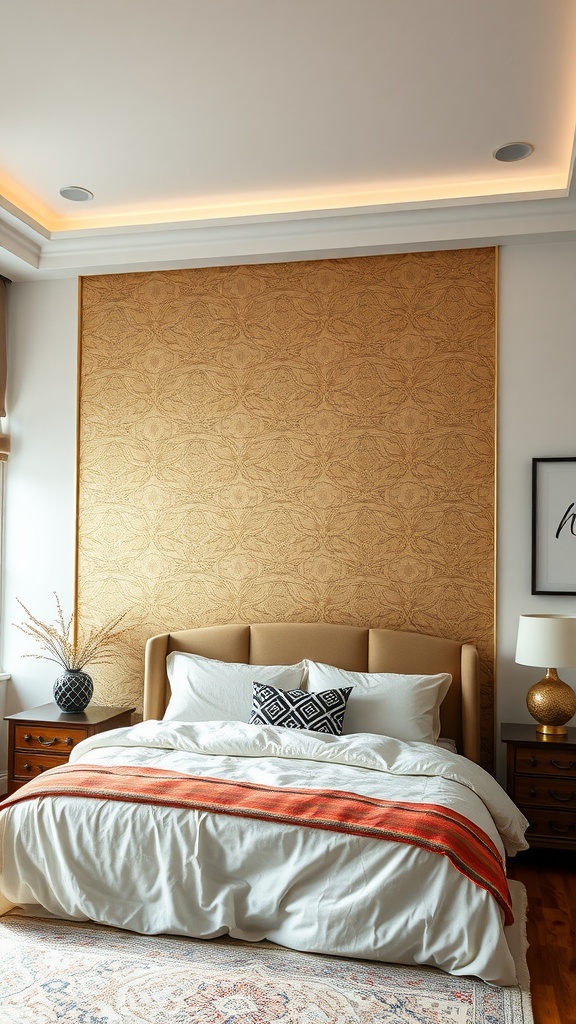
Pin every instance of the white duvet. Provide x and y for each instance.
(158, 869)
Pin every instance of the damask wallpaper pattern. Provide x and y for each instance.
(301, 441)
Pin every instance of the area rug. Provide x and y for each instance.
(70, 973)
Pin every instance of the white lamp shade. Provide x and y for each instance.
(547, 640)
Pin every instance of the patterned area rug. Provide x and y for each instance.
(54, 971)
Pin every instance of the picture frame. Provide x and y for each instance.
(554, 525)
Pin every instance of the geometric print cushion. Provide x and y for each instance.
(296, 709)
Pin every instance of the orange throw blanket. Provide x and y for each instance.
(429, 826)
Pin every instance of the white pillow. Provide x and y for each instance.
(205, 690)
(386, 703)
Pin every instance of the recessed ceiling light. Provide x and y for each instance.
(76, 193)
(513, 151)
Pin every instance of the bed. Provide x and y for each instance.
(312, 784)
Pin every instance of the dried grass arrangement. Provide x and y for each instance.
(71, 647)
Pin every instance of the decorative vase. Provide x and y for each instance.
(73, 691)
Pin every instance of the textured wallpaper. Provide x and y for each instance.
(302, 441)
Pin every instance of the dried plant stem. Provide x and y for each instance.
(72, 650)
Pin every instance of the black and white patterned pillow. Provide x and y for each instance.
(296, 709)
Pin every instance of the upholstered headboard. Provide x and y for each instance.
(350, 647)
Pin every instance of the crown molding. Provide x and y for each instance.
(18, 246)
(29, 252)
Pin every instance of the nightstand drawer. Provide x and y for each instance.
(46, 737)
(538, 761)
(28, 766)
(43, 737)
(541, 779)
(546, 792)
(551, 825)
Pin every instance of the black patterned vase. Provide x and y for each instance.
(73, 691)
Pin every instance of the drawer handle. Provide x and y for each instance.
(533, 762)
(27, 767)
(68, 741)
(558, 828)
(30, 768)
(565, 767)
(558, 796)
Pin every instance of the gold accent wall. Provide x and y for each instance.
(301, 441)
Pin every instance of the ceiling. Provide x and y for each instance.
(220, 131)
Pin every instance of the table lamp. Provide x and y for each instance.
(547, 640)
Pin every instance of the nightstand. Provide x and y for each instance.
(541, 779)
(43, 737)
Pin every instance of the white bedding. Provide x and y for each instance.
(159, 869)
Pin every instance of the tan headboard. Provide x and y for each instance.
(350, 647)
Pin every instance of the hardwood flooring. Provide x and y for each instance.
(550, 880)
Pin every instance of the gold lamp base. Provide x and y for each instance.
(552, 730)
(552, 703)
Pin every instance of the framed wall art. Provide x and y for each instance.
(554, 526)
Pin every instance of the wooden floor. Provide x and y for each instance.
(550, 880)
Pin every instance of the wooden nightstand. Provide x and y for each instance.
(541, 779)
(43, 737)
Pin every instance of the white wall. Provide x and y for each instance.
(537, 385)
(41, 473)
(536, 418)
